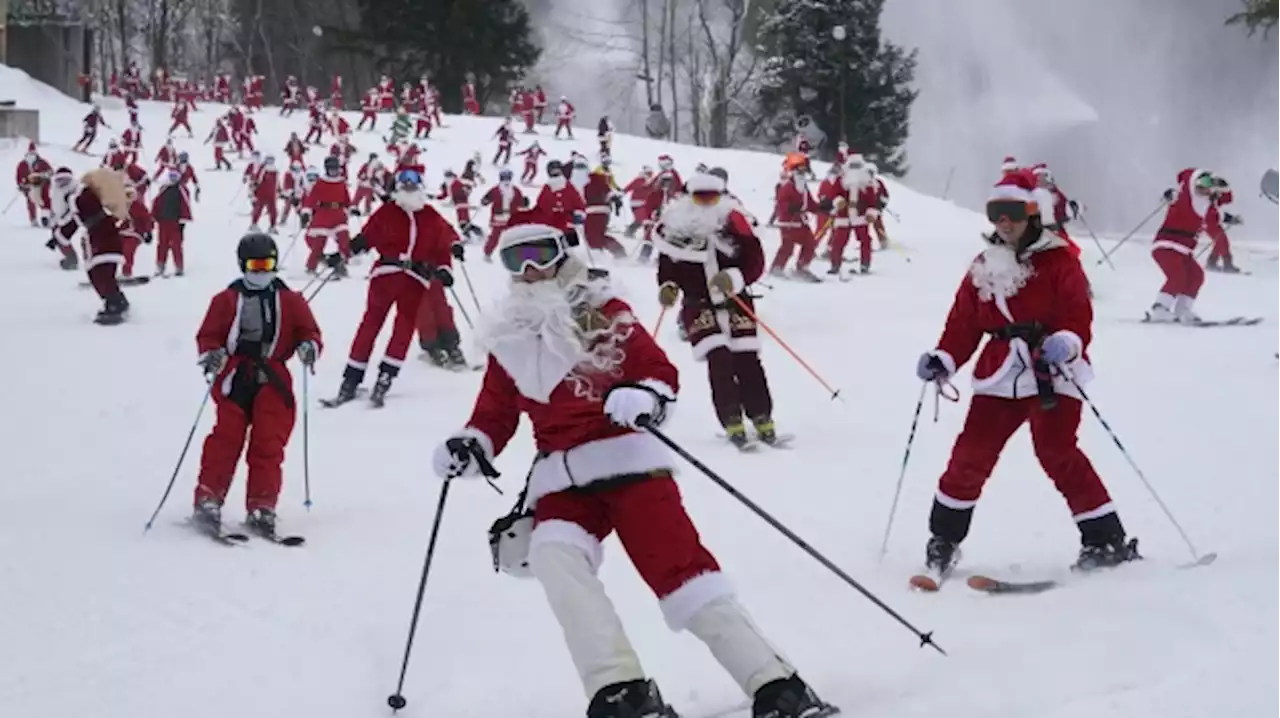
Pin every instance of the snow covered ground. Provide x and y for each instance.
(99, 620)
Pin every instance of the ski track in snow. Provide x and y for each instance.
(100, 620)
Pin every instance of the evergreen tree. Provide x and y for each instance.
(857, 89)
(1257, 15)
(448, 40)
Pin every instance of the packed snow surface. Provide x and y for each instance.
(100, 620)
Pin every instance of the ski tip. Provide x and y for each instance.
(921, 582)
(1204, 560)
(983, 583)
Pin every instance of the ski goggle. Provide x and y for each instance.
(263, 264)
(1014, 210)
(539, 254)
(706, 199)
(1205, 181)
(409, 178)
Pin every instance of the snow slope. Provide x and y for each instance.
(103, 621)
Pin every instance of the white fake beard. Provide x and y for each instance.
(534, 336)
(410, 200)
(555, 183)
(998, 273)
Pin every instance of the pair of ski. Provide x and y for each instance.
(754, 443)
(1240, 321)
(124, 282)
(360, 392)
(238, 538)
(932, 582)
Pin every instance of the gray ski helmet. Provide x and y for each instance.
(256, 245)
(554, 168)
(332, 166)
(720, 172)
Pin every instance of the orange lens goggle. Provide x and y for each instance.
(266, 264)
(706, 198)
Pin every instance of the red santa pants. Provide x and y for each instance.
(800, 236)
(563, 125)
(1221, 245)
(402, 290)
(987, 428)
(435, 317)
(318, 237)
(1183, 275)
(168, 239)
(371, 116)
(530, 172)
(422, 128)
(316, 131)
(86, 139)
(363, 200)
(863, 234)
(268, 206)
(267, 418)
(128, 247)
(596, 230)
(220, 158)
(651, 522)
(528, 122)
(471, 107)
(491, 243)
(244, 141)
(503, 154)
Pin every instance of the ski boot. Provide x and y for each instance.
(1160, 314)
(630, 699)
(207, 515)
(450, 353)
(736, 433)
(454, 359)
(261, 521)
(1094, 556)
(940, 557)
(69, 262)
(351, 379)
(789, 698)
(113, 311)
(765, 430)
(804, 274)
(378, 396)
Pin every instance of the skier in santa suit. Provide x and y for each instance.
(564, 117)
(1175, 245)
(32, 177)
(531, 155)
(601, 196)
(249, 331)
(171, 210)
(1030, 295)
(470, 105)
(560, 197)
(324, 214)
(371, 180)
(708, 253)
(414, 245)
(1215, 223)
(502, 201)
(265, 187)
(94, 203)
(135, 230)
(1055, 209)
(792, 206)
(601, 378)
(638, 190)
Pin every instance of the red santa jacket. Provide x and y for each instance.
(290, 322)
(565, 200)
(139, 221)
(695, 243)
(1185, 217)
(266, 184)
(403, 240)
(1049, 287)
(504, 200)
(598, 191)
(792, 203)
(34, 174)
(328, 202)
(577, 443)
(638, 189)
(82, 208)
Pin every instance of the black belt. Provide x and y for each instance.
(1033, 333)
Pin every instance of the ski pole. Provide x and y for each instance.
(926, 639)
(461, 309)
(1096, 241)
(292, 241)
(466, 277)
(333, 271)
(396, 700)
(1196, 558)
(7, 207)
(1106, 256)
(902, 475)
(658, 324)
(208, 392)
(306, 443)
(835, 393)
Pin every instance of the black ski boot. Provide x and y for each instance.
(789, 698)
(114, 311)
(765, 430)
(630, 699)
(386, 374)
(261, 521)
(1106, 555)
(940, 555)
(207, 516)
(351, 378)
(69, 262)
(448, 342)
(736, 433)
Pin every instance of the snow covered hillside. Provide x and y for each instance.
(100, 620)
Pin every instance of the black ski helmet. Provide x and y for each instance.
(332, 167)
(554, 168)
(256, 245)
(720, 172)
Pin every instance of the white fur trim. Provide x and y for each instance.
(663, 389)
(680, 606)
(742, 345)
(739, 281)
(1077, 344)
(956, 504)
(1009, 191)
(712, 341)
(522, 233)
(1103, 510)
(470, 432)
(99, 259)
(627, 454)
(1174, 246)
(570, 534)
(947, 360)
(702, 182)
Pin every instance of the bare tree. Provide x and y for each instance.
(731, 67)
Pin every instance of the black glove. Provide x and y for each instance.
(359, 244)
(355, 212)
(213, 361)
(294, 202)
(444, 276)
(825, 205)
(304, 218)
(458, 251)
(1231, 219)
(1169, 195)
(334, 260)
(52, 244)
(197, 194)
(307, 352)
(147, 237)
(524, 201)
(1075, 208)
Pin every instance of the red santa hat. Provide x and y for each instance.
(1010, 164)
(1016, 186)
(31, 148)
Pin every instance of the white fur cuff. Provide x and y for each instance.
(470, 432)
(1077, 344)
(661, 388)
(569, 534)
(947, 360)
(739, 281)
(680, 606)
